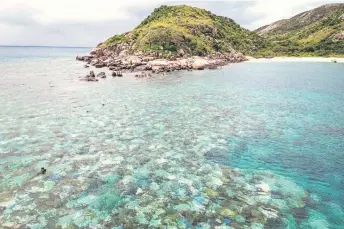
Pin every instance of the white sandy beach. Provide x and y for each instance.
(299, 59)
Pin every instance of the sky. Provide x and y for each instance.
(85, 23)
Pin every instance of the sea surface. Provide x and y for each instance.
(251, 145)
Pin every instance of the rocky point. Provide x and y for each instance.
(143, 64)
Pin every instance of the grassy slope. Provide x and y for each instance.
(309, 34)
(196, 31)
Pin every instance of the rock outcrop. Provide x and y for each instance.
(153, 63)
(101, 75)
(90, 77)
(118, 74)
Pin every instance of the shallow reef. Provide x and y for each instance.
(206, 149)
(164, 190)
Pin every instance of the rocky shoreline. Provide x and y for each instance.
(143, 64)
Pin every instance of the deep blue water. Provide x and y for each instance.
(281, 118)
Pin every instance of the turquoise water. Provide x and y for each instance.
(185, 150)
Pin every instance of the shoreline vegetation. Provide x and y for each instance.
(189, 38)
(298, 59)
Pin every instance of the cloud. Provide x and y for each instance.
(18, 16)
(85, 22)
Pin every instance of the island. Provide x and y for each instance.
(189, 38)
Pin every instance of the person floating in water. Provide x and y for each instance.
(43, 170)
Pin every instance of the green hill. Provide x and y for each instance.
(318, 32)
(196, 31)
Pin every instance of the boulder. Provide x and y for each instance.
(142, 75)
(181, 52)
(158, 64)
(92, 75)
(139, 68)
(93, 52)
(108, 53)
(89, 78)
(123, 53)
(172, 58)
(101, 75)
(125, 62)
(126, 67)
(134, 60)
(111, 64)
(148, 58)
(113, 68)
(117, 73)
(107, 61)
(86, 66)
(199, 64)
(235, 57)
(173, 65)
(86, 58)
(157, 69)
(213, 66)
(183, 63)
(100, 65)
(94, 62)
(103, 58)
(97, 52)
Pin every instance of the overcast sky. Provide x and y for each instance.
(86, 23)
